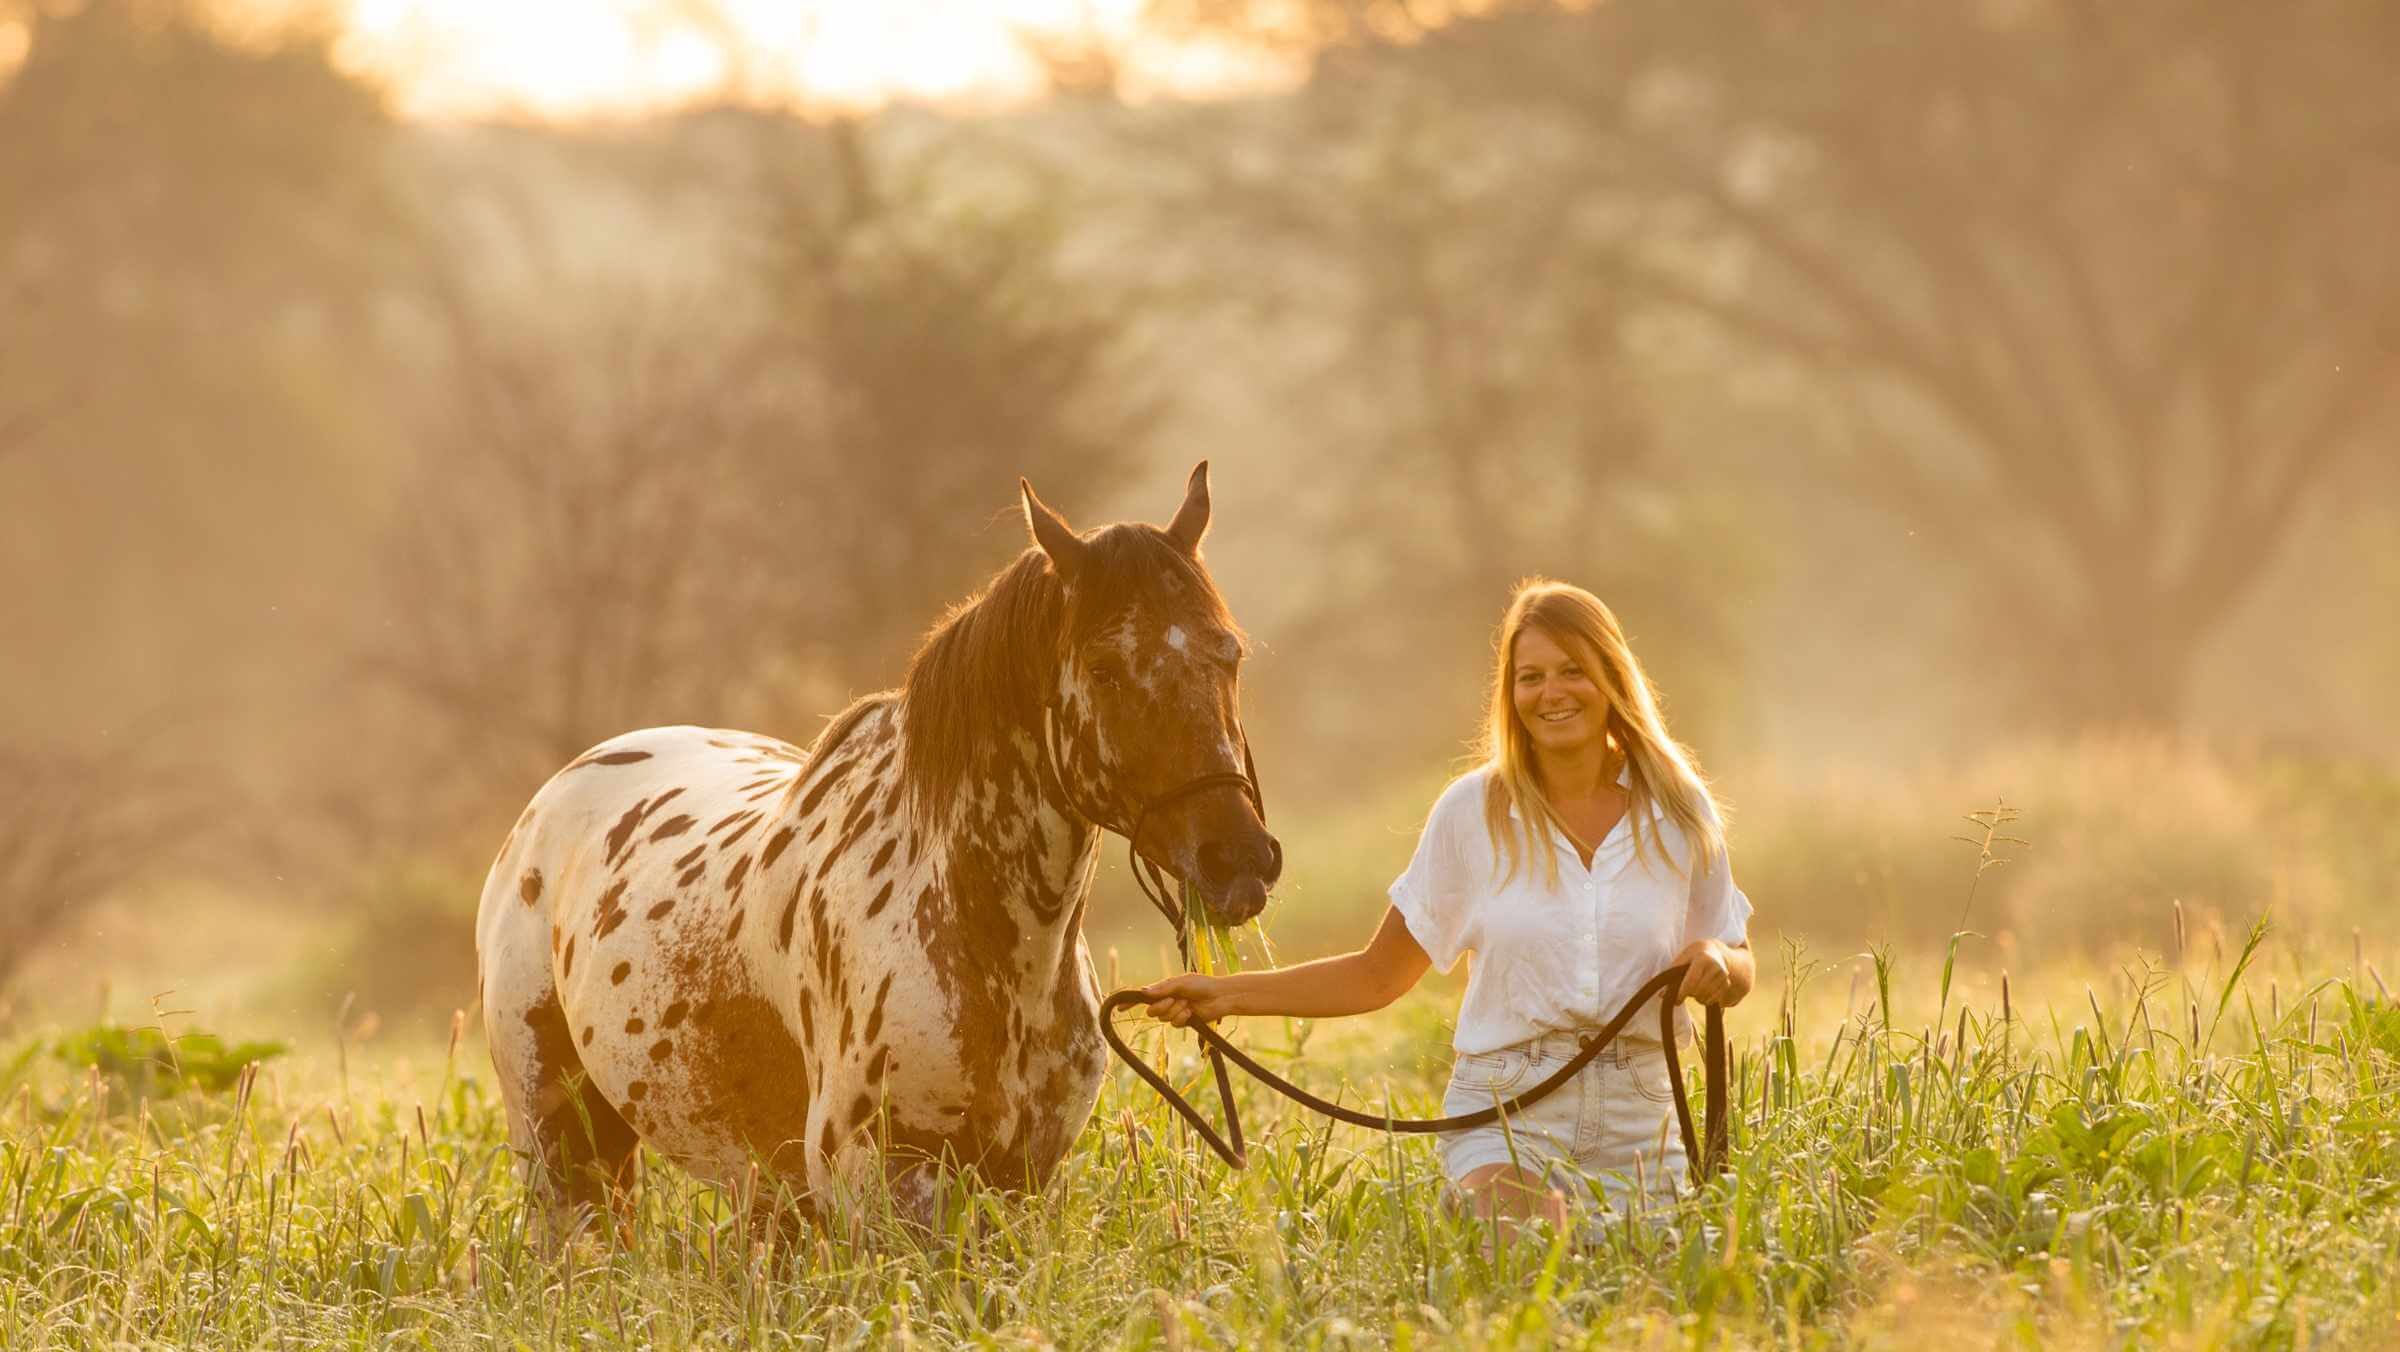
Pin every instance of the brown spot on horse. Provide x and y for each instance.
(611, 911)
(775, 847)
(611, 758)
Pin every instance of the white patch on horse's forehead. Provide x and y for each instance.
(1175, 637)
(1118, 633)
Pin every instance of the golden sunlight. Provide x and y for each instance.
(581, 58)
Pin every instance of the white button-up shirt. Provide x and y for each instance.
(1563, 957)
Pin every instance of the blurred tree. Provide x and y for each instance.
(740, 508)
(570, 557)
(1470, 410)
(2094, 295)
(939, 344)
(192, 229)
(82, 826)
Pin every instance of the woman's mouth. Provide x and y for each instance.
(1560, 716)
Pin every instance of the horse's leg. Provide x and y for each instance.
(914, 1182)
(587, 1147)
(865, 1175)
(579, 1150)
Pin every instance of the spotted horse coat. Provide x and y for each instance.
(868, 957)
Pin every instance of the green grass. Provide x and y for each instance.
(2205, 1157)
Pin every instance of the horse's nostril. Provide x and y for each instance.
(1222, 863)
(1216, 861)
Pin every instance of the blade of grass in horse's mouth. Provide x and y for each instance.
(1217, 949)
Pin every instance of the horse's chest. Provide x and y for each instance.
(1007, 1094)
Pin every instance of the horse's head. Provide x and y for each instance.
(1146, 698)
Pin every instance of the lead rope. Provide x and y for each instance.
(1705, 1161)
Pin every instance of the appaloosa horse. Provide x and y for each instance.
(870, 954)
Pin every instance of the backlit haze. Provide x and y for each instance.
(446, 59)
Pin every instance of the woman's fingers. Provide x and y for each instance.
(1174, 987)
(1707, 980)
(1179, 1012)
(1182, 1000)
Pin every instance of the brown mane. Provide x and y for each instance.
(989, 661)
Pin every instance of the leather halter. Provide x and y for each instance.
(1148, 876)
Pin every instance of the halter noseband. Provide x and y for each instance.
(1149, 877)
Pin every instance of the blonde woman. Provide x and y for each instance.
(1581, 858)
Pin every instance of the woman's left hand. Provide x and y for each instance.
(1708, 979)
(1188, 999)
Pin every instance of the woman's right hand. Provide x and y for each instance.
(1189, 999)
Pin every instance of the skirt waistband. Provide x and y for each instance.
(1623, 1052)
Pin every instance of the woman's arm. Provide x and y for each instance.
(1353, 983)
(1720, 974)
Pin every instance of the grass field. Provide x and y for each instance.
(2198, 1155)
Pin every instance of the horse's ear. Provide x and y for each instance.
(1191, 520)
(1051, 532)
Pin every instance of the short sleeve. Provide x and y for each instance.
(1717, 910)
(1436, 895)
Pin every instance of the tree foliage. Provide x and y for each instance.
(81, 827)
(633, 510)
(2094, 296)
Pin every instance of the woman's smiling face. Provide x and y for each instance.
(1557, 700)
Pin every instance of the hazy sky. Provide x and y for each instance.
(465, 58)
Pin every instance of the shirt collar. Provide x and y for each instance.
(1624, 781)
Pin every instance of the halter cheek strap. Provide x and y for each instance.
(1147, 875)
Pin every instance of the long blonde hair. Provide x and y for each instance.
(1659, 770)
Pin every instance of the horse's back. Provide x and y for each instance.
(609, 804)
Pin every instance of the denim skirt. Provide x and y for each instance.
(1607, 1135)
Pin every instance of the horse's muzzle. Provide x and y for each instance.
(1234, 877)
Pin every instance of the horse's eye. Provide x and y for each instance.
(1106, 677)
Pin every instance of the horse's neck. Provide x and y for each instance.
(1018, 858)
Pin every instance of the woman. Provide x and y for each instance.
(1581, 858)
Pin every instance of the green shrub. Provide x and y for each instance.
(145, 1063)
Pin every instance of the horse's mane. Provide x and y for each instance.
(988, 662)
